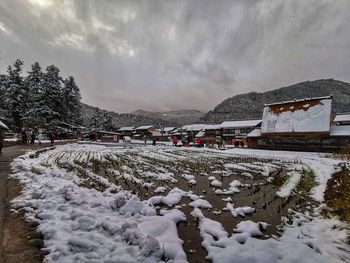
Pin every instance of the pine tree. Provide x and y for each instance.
(3, 93)
(72, 97)
(16, 92)
(101, 120)
(53, 105)
(35, 103)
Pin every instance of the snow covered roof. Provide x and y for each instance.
(167, 129)
(300, 116)
(340, 131)
(144, 127)
(212, 127)
(3, 125)
(255, 133)
(300, 100)
(342, 117)
(126, 128)
(194, 127)
(109, 132)
(200, 134)
(240, 124)
(71, 125)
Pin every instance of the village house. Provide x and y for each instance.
(303, 125)
(104, 136)
(189, 132)
(144, 131)
(209, 134)
(126, 131)
(163, 134)
(238, 130)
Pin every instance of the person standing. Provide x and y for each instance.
(52, 138)
(24, 137)
(29, 136)
(32, 139)
(40, 137)
(176, 140)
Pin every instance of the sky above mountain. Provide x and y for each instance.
(166, 55)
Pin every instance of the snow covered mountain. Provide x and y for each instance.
(181, 117)
(137, 118)
(250, 105)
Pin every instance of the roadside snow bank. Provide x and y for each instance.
(85, 225)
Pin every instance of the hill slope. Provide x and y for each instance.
(181, 117)
(130, 119)
(250, 105)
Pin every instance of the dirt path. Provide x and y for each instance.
(19, 242)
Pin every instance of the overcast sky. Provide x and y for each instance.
(162, 55)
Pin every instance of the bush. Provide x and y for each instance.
(337, 193)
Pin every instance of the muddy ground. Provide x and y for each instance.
(20, 243)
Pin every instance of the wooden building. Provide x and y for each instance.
(104, 136)
(238, 130)
(303, 125)
(209, 134)
(126, 131)
(144, 131)
(190, 131)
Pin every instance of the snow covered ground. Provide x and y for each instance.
(126, 203)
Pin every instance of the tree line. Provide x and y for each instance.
(40, 98)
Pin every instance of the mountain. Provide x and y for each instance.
(250, 105)
(181, 117)
(139, 118)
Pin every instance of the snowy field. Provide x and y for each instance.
(139, 203)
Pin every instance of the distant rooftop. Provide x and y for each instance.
(126, 128)
(240, 124)
(144, 127)
(194, 127)
(342, 117)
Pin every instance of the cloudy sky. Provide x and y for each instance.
(163, 55)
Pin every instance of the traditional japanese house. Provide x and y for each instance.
(190, 131)
(296, 125)
(126, 131)
(104, 136)
(238, 130)
(209, 133)
(144, 131)
(163, 134)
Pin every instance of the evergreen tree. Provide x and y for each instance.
(101, 120)
(34, 116)
(3, 93)
(72, 97)
(39, 98)
(16, 92)
(53, 105)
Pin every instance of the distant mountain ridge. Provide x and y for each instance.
(141, 117)
(181, 117)
(250, 105)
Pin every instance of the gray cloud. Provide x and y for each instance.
(161, 55)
